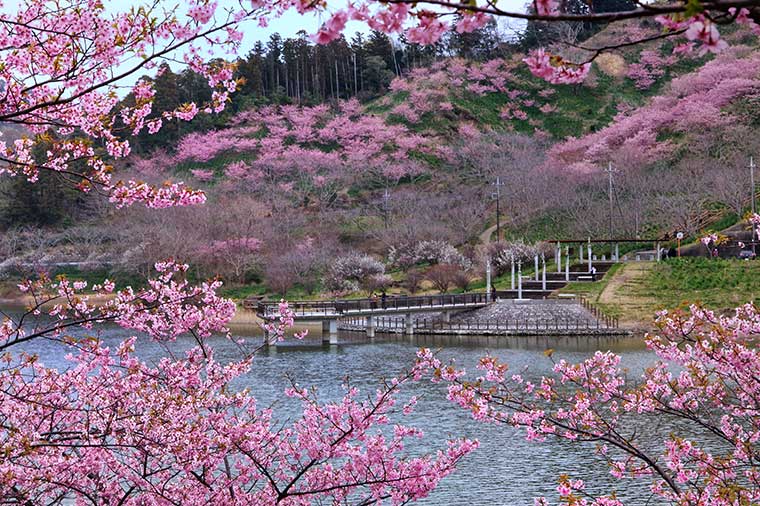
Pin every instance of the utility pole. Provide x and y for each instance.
(609, 170)
(497, 195)
(386, 200)
(752, 185)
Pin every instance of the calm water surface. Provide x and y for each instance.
(505, 470)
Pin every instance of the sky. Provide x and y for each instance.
(287, 25)
(290, 23)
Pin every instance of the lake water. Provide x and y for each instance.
(505, 470)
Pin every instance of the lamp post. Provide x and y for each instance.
(679, 236)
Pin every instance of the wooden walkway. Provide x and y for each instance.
(325, 310)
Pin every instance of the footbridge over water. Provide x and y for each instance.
(329, 311)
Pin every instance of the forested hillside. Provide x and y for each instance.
(392, 150)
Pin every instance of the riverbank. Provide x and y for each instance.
(22, 301)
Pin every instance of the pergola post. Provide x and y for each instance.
(543, 275)
(519, 280)
(488, 281)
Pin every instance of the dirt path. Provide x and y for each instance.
(485, 237)
(623, 292)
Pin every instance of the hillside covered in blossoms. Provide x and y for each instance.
(292, 184)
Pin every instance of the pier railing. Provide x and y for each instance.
(375, 304)
(567, 324)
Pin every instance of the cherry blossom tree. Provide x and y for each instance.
(112, 428)
(704, 385)
(353, 271)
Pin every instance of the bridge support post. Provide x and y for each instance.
(567, 264)
(512, 286)
(408, 324)
(446, 317)
(519, 280)
(270, 338)
(330, 331)
(535, 264)
(558, 257)
(370, 326)
(589, 255)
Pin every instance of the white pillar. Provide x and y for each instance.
(617, 251)
(559, 258)
(409, 324)
(446, 316)
(567, 264)
(535, 264)
(589, 256)
(519, 280)
(488, 281)
(512, 286)
(543, 275)
(658, 251)
(580, 253)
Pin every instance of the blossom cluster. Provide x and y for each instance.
(707, 375)
(430, 252)
(352, 271)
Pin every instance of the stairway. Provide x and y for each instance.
(532, 289)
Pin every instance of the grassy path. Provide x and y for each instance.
(624, 295)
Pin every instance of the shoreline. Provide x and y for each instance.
(244, 317)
